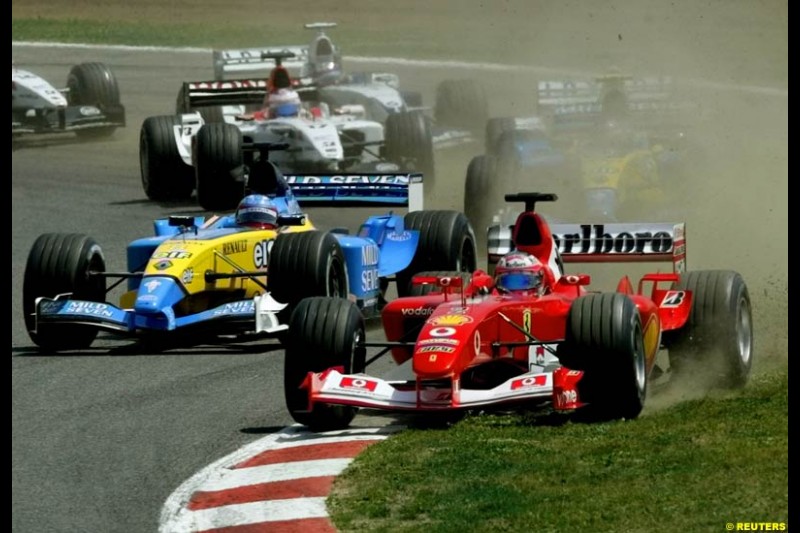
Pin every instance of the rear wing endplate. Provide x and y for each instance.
(358, 190)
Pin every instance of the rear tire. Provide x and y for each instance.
(495, 128)
(94, 84)
(323, 333)
(210, 113)
(306, 264)
(719, 332)
(408, 138)
(604, 339)
(219, 166)
(165, 176)
(446, 242)
(479, 189)
(461, 104)
(60, 263)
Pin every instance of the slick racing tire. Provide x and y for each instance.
(446, 242)
(412, 98)
(480, 192)
(165, 176)
(219, 166)
(408, 138)
(323, 333)
(210, 113)
(461, 104)
(495, 127)
(425, 289)
(60, 263)
(93, 84)
(718, 336)
(604, 339)
(305, 264)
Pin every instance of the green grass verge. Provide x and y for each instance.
(694, 466)
(376, 41)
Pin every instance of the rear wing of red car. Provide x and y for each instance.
(606, 243)
(358, 189)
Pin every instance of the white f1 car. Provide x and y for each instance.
(89, 105)
(214, 152)
(461, 106)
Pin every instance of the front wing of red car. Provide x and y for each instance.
(360, 390)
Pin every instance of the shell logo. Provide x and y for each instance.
(651, 336)
(450, 320)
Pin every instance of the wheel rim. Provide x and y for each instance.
(144, 161)
(354, 350)
(337, 286)
(639, 361)
(466, 260)
(744, 332)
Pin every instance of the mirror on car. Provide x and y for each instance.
(291, 220)
(181, 220)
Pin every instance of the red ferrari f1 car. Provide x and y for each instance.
(472, 344)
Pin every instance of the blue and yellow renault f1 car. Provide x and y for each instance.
(211, 277)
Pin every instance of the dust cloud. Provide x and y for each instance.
(730, 60)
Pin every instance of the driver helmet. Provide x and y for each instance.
(519, 271)
(257, 211)
(284, 103)
(325, 64)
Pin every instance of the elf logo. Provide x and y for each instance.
(261, 253)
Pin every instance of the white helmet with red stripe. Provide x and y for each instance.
(519, 271)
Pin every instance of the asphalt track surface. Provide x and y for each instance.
(100, 439)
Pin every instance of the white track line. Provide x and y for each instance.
(421, 63)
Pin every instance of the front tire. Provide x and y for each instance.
(604, 339)
(94, 84)
(719, 332)
(323, 333)
(219, 166)
(60, 263)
